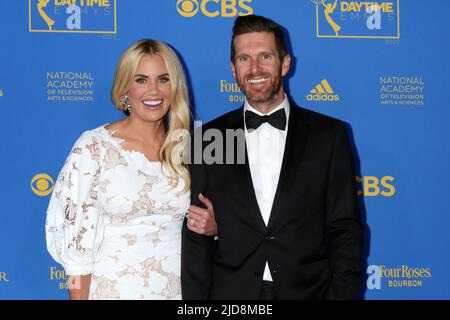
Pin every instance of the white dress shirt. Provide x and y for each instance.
(265, 150)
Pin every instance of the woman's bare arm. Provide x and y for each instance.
(79, 287)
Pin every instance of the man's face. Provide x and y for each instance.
(258, 69)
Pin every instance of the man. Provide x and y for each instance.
(288, 220)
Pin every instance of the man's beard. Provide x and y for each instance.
(267, 97)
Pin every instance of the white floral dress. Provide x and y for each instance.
(114, 215)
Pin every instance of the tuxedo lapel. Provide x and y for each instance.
(242, 174)
(295, 144)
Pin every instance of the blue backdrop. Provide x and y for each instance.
(382, 68)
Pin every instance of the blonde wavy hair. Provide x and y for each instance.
(177, 119)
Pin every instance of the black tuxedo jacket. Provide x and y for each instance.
(314, 237)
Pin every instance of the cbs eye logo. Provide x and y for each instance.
(214, 8)
(187, 8)
(42, 184)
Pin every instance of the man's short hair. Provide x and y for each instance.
(254, 23)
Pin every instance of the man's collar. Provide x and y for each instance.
(284, 105)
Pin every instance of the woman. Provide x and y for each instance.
(114, 219)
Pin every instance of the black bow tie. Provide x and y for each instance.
(276, 119)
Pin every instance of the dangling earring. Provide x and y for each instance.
(124, 103)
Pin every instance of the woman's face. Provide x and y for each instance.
(150, 91)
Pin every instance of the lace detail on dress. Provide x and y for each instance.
(113, 214)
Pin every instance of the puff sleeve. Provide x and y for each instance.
(74, 225)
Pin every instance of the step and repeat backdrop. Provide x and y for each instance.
(381, 66)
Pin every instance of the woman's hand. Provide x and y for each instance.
(200, 220)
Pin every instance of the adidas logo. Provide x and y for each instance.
(322, 92)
